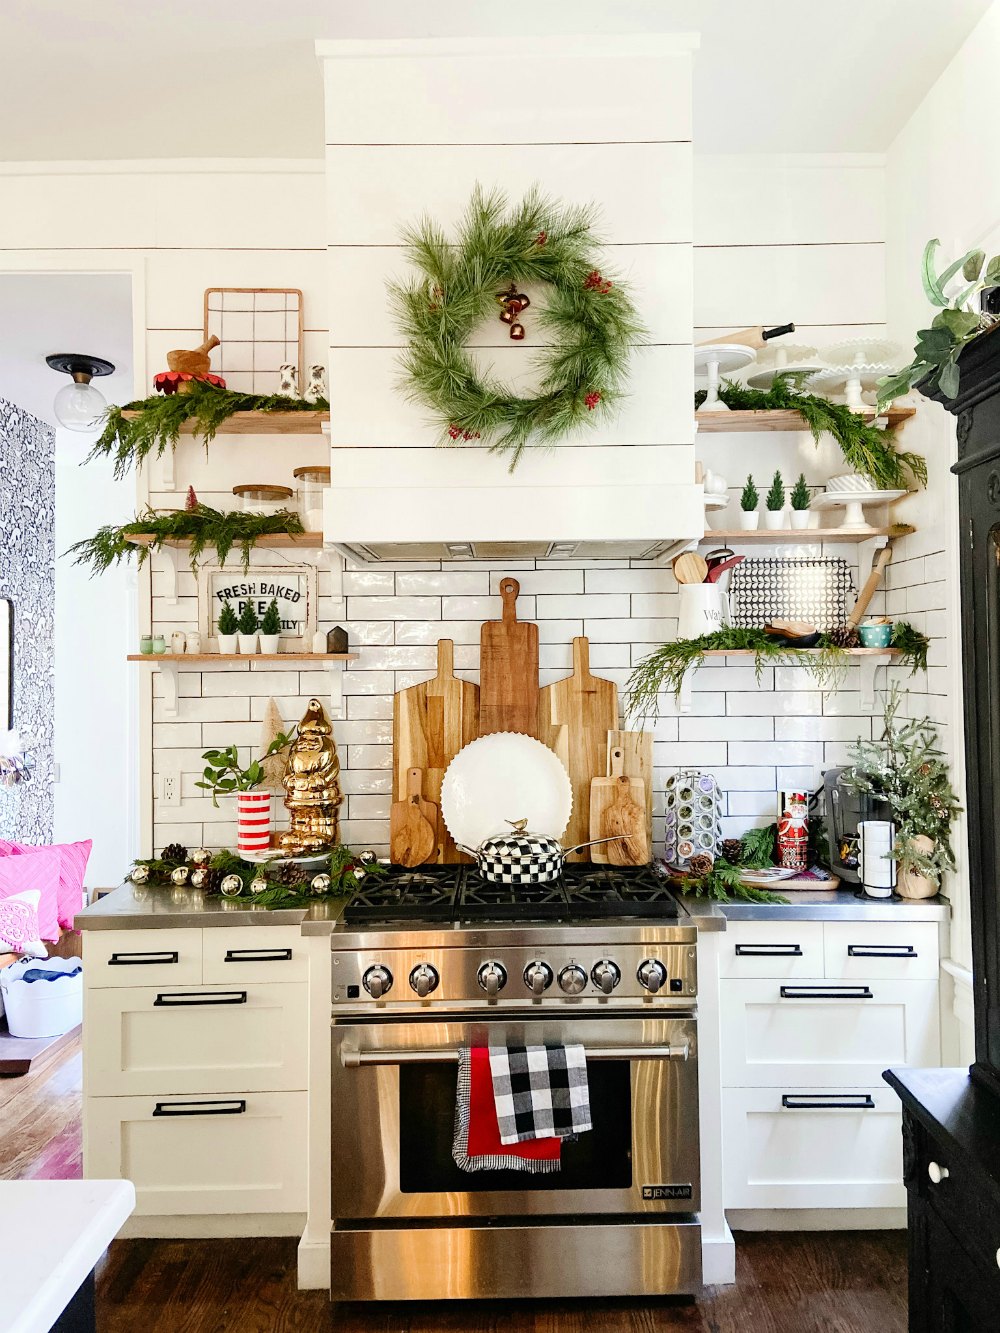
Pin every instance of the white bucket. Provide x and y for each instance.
(43, 1008)
(704, 609)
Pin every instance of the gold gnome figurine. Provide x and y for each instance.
(312, 785)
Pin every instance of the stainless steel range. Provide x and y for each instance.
(432, 960)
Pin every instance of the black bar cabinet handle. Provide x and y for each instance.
(802, 1102)
(139, 959)
(881, 951)
(827, 993)
(169, 999)
(232, 1106)
(769, 950)
(258, 956)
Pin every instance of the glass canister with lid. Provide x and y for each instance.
(261, 498)
(312, 481)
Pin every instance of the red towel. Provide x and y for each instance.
(484, 1129)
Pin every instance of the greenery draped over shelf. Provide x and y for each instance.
(665, 667)
(158, 421)
(867, 450)
(203, 526)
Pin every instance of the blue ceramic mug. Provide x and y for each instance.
(875, 636)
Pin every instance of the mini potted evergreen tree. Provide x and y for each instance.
(749, 500)
(247, 627)
(270, 629)
(800, 503)
(227, 629)
(774, 514)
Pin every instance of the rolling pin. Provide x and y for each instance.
(870, 585)
(754, 338)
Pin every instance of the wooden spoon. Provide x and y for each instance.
(689, 567)
(625, 819)
(411, 832)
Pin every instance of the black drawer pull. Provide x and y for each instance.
(233, 1106)
(258, 956)
(827, 993)
(170, 999)
(881, 951)
(847, 1102)
(769, 950)
(143, 959)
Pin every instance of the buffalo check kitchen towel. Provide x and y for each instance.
(540, 1091)
(476, 1145)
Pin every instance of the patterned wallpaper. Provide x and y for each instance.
(27, 577)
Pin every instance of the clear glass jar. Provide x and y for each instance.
(263, 499)
(312, 482)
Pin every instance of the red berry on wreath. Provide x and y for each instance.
(541, 238)
(454, 432)
(592, 399)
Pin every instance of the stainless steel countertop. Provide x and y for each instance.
(838, 905)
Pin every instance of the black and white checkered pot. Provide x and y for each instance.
(520, 857)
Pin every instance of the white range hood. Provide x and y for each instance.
(412, 127)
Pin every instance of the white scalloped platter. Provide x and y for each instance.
(500, 778)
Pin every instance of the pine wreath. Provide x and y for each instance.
(589, 319)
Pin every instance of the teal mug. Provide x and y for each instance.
(875, 636)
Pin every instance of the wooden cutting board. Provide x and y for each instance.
(431, 722)
(587, 706)
(637, 747)
(508, 670)
(625, 798)
(412, 825)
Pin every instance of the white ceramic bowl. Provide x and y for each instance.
(500, 778)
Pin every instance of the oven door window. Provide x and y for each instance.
(599, 1159)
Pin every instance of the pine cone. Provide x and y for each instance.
(288, 874)
(732, 850)
(175, 853)
(700, 865)
(844, 636)
(213, 880)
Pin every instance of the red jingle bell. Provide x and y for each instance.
(517, 332)
(507, 315)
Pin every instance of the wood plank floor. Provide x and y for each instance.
(805, 1282)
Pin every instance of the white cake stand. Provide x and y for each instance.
(854, 504)
(715, 360)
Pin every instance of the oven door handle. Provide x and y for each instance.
(352, 1059)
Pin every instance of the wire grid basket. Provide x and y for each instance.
(815, 591)
(260, 329)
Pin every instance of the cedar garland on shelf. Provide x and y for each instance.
(157, 425)
(203, 526)
(867, 450)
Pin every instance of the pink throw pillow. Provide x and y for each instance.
(35, 869)
(73, 857)
(19, 931)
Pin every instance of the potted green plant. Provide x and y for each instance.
(907, 769)
(774, 514)
(270, 629)
(227, 625)
(749, 500)
(247, 627)
(800, 503)
(226, 776)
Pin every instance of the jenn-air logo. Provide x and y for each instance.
(667, 1192)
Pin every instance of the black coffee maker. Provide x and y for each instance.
(845, 810)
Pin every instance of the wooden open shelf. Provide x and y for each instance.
(721, 422)
(170, 664)
(852, 652)
(274, 542)
(261, 423)
(786, 537)
(242, 657)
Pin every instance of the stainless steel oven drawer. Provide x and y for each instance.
(624, 1257)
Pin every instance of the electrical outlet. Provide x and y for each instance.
(170, 787)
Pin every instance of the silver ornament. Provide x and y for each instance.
(368, 857)
(198, 877)
(231, 886)
(258, 885)
(180, 874)
(201, 856)
(359, 874)
(320, 884)
(139, 874)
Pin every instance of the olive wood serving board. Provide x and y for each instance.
(508, 670)
(412, 825)
(637, 747)
(618, 810)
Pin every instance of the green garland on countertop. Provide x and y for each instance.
(867, 450)
(723, 883)
(203, 526)
(157, 425)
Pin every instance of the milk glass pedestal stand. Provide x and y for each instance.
(714, 361)
(854, 504)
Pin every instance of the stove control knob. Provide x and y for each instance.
(652, 975)
(377, 981)
(424, 979)
(572, 979)
(538, 976)
(606, 975)
(492, 977)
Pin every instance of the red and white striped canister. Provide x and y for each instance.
(253, 821)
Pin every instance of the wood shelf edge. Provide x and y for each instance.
(789, 537)
(780, 420)
(275, 541)
(303, 422)
(181, 658)
(851, 652)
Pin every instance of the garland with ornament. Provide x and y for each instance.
(588, 317)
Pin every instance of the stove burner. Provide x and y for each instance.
(459, 893)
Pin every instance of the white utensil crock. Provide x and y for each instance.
(704, 609)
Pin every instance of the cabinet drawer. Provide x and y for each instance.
(773, 949)
(141, 957)
(817, 1033)
(907, 951)
(206, 1154)
(254, 953)
(812, 1148)
(237, 1038)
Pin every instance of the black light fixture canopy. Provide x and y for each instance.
(80, 364)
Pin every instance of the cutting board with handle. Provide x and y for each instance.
(587, 707)
(412, 825)
(508, 670)
(637, 751)
(618, 811)
(431, 722)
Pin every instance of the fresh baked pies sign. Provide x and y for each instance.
(293, 587)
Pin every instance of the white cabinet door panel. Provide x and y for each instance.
(772, 949)
(254, 953)
(891, 951)
(141, 957)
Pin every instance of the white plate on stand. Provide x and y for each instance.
(854, 503)
(716, 360)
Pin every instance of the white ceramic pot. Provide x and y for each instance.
(704, 608)
(909, 882)
(774, 519)
(193, 644)
(247, 644)
(800, 519)
(270, 643)
(228, 643)
(749, 520)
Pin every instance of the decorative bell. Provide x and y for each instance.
(359, 873)
(231, 886)
(258, 885)
(139, 874)
(368, 857)
(199, 877)
(507, 315)
(179, 875)
(320, 884)
(201, 856)
(517, 332)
